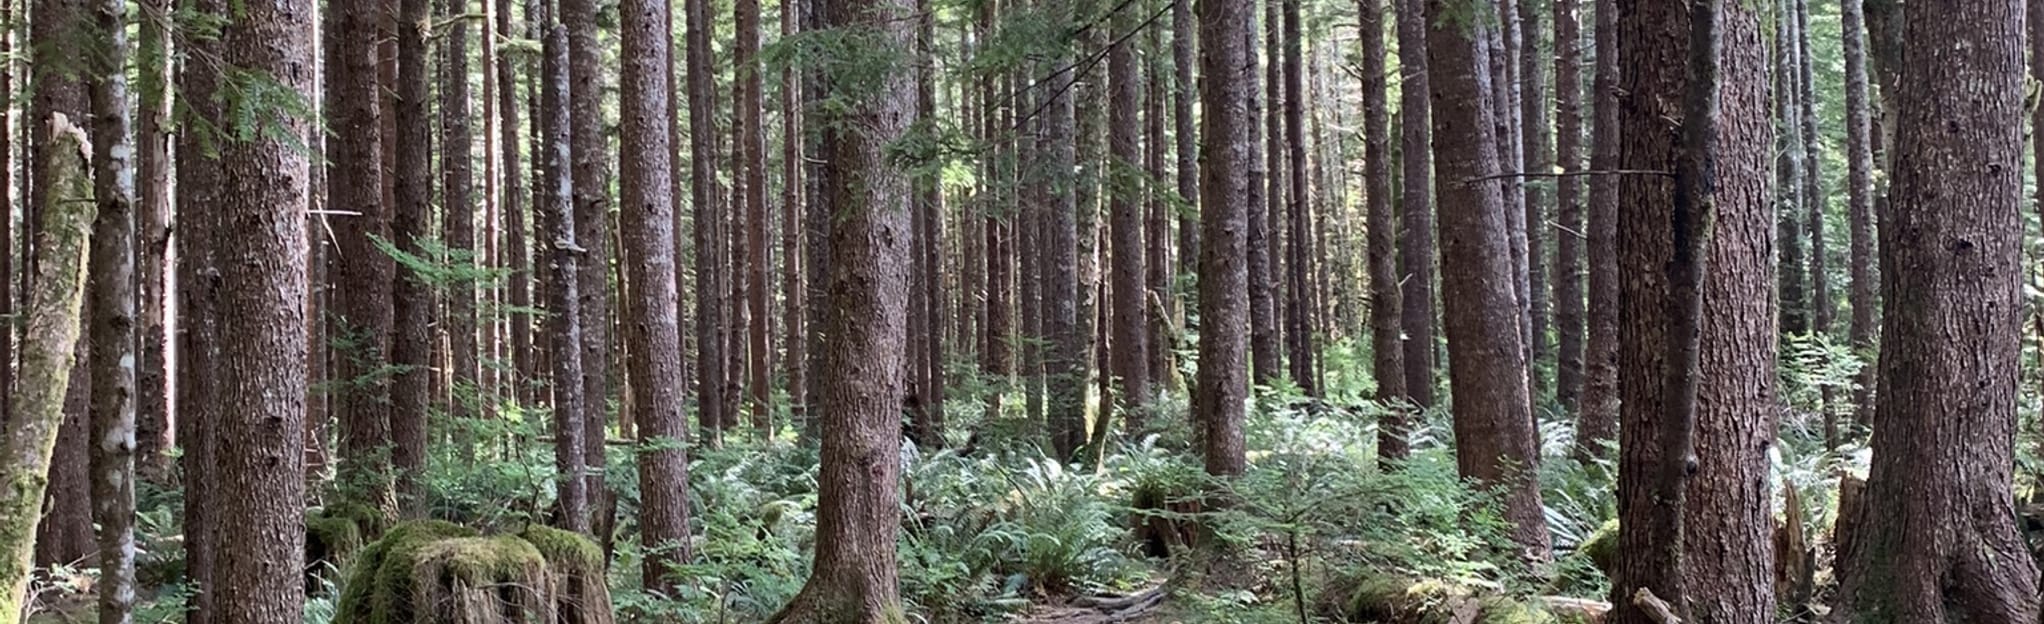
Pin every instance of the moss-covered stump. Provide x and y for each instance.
(482, 580)
(576, 563)
(1398, 600)
(432, 572)
(1602, 548)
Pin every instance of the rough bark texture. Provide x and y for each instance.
(517, 252)
(48, 353)
(1597, 426)
(1065, 364)
(1814, 202)
(154, 437)
(261, 388)
(58, 87)
(198, 351)
(1536, 152)
(1299, 293)
(1795, 294)
(112, 283)
(1227, 31)
(1934, 540)
(751, 154)
(1416, 251)
(1186, 149)
(1496, 443)
(1130, 352)
(793, 262)
(854, 579)
(1265, 199)
(928, 207)
(410, 352)
(655, 331)
(564, 321)
(702, 106)
(458, 211)
(1859, 191)
(1569, 234)
(1159, 265)
(591, 150)
(361, 320)
(1387, 347)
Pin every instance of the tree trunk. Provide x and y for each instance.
(1183, 93)
(410, 350)
(361, 320)
(1569, 234)
(112, 282)
(997, 351)
(1416, 252)
(655, 331)
(793, 262)
(1859, 190)
(198, 350)
(1795, 302)
(591, 149)
(1501, 56)
(1943, 546)
(853, 578)
(1266, 197)
(1537, 155)
(48, 353)
(1158, 265)
(751, 151)
(1387, 349)
(1299, 297)
(702, 107)
(1597, 426)
(929, 203)
(1131, 319)
(1821, 309)
(457, 206)
(154, 436)
(1496, 442)
(1066, 363)
(261, 389)
(563, 321)
(1228, 120)
(58, 87)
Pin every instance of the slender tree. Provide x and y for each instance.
(517, 250)
(1264, 341)
(1813, 200)
(1795, 301)
(1065, 365)
(853, 577)
(198, 350)
(793, 288)
(1131, 357)
(1597, 425)
(1568, 207)
(1938, 492)
(361, 320)
(58, 86)
(1496, 442)
(1387, 349)
(751, 152)
(592, 154)
(112, 283)
(457, 209)
(1416, 251)
(709, 281)
(261, 391)
(564, 320)
(410, 351)
(1227, 32)
(154, 437)
(1183, 44)
(1299, 304)
(1536, 155)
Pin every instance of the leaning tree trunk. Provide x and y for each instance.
(854, 579)
(1935, 539)
(47, 354)
(1497, 444)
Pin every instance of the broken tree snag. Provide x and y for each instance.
(47, 355)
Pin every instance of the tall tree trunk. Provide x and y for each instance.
(997, 351)
(262, 384)
(1597, 425)
(1158, 265)
(1536, 152)
(1859, 189)
(1821, 309)
(929, 203)
(198, 349)
(1496, 442)
(1569, 233)
(1387, 349)
(1501, 56)
(793, 262)
(1299, 297)
(1266, 196)
(1934, 539)
(1066, 363)
(752, 152)
(457, 206)
(854, 578)
(591, 150)
(361, 320)
(1416, 255)
(154, 437)
(66, 532)
(112, 282)
(1183, 92)
(702, 107)
(410, 351)
(1131, 319)
(517, 250)
(1795, 302)
(1227, 31)
(49, 352)
(655, 332)
(564, 320)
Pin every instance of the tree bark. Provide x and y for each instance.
(1795, 295)
(751, 152)
(1821, 308)
(1496, 442)
(517, 249)
(1299, 291)
(1066, 364)
(410, 351)
(1597, 426)
(261, 390)
(793, 262)
(854, 577)
(1387, 364)
(564, 320)
(702, 107)
(57, 87)
(655, 332)
(1859, 190)
(457, 208)
(1183, 44)
(1934, 539)
(1228, 120)
(1416, 251)
(154, 437)
(592, 155)
(48, 354)
(1569, 233)
(1131, 313)
(1266, 198)
(198, 350)
(112, 282)
(1537, 155)
(362, 319)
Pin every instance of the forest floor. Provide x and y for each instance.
(1138, 607)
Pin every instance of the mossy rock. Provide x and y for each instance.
(1391, 599)
(377, 588)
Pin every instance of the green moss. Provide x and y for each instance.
(1508, 611)
(369, 519)
(1602, 548)
(480, 560)
(566, 551)
(378, 587)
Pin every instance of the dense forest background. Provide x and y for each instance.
(1057, 311)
